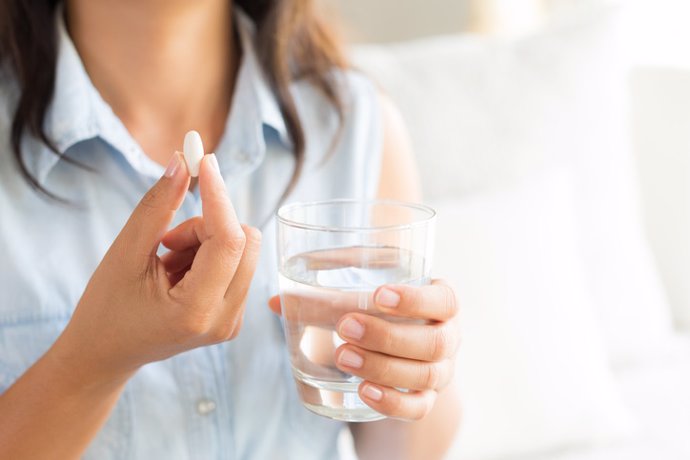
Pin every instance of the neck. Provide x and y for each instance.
(164, 66)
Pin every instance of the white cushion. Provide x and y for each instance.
(662, 135)
(532, 367)
(484, 113)
(657, 393)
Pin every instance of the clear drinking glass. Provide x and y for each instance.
(332, 256)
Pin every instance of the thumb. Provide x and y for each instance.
(141, 235)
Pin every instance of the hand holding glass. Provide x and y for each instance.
(332, 256)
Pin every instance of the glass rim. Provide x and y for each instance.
(280, 215)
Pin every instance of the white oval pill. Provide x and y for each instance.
(193, 152)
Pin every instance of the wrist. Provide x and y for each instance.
(79, 368)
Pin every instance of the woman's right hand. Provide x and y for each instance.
(139, 308)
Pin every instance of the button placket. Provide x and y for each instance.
(200, 398)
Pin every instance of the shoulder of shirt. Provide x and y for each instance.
(357, 130)
(359, 98)
(355, 87)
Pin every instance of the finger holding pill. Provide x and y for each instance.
(191, 296)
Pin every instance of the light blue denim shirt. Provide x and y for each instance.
(233, 400)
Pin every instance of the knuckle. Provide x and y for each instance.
(220, 333)
(382, 370)
(237, 328)
(237, 322)
(194, 327)
(424, 408)
(394, 404)
(237, 241)
(450, 372)
(415, 297)
(421, 412)
(252, 235)
(150, 200)
(226, 329)
(193, 323)
(442, 344)
(387, 339)
(234, 242)
(197, 225)
(430, 375)
(446, 369)
(451, 301)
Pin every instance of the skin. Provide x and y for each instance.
(176, 59)
(158, 69)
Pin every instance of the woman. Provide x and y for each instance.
(109, 351)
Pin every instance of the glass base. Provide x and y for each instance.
(336, 400)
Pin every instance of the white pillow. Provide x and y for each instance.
(532, 367)
(484, 113)
(662, 134)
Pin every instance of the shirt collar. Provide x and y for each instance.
(254, 107)
(78, 113)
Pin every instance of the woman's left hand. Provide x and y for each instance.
(390, 355)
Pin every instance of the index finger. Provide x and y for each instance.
(436, 301)
(219, 214)
(219, 254)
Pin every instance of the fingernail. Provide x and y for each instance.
(373, 393)
(387, 298)
(352, 328)
(214, 162)
(350, 359)
(173, 165)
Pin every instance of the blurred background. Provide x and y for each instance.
(553, 137)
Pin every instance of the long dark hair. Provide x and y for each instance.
(293, 42)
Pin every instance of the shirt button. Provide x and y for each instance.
(205, 406)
